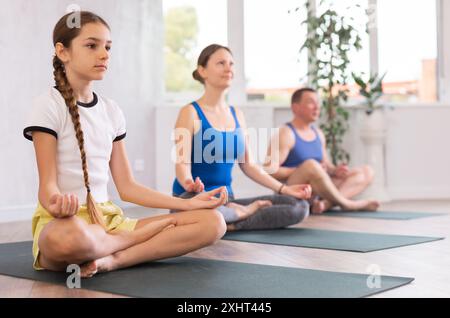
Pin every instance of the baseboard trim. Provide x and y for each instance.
(17, 213)
(424, 193)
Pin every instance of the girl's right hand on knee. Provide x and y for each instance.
(63, 205)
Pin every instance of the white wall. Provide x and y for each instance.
(134, 80)
(417, 152)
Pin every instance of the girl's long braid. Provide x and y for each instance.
(63, 86)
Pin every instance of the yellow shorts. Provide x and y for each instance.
(112, 215)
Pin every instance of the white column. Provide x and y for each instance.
(311, 53)
(237, 94)
(443, 39)
(373, 36)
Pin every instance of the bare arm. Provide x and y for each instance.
(257, 174)
(339, 171)
(184, 130)
(50, 197)
(131, 191)
(326, 163)
(278, 152)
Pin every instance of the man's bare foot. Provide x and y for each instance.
(104, 264)
(373, 205)
(318, 207)
(244, 211)
(362, 205)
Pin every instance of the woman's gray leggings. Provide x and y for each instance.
(284, 211)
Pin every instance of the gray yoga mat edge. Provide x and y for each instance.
(204, 278)
(327, 239)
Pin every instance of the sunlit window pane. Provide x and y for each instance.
(190, 26)
(408, 49)
(273, 37)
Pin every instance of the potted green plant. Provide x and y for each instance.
(330, 39)
(371, 90)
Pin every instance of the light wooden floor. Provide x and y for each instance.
(428, 263)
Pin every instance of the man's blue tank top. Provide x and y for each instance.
(214, 153)
(303, 150)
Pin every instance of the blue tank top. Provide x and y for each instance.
(303, 150)
(213, 154)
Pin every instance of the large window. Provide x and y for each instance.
(407, 49)
(190, 26)
(273, 37)
(274, 68)
(356, 13)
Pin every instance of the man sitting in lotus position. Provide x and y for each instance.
(301, 157)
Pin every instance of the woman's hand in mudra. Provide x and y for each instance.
(209, 199)
(299, 191)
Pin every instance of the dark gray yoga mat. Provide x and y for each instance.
(386, 215)
(186, 277)
(330, 240)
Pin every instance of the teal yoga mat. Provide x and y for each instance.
(386, 215)
(325, 239)
(186, 277)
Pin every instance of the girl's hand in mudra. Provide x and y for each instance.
(63, 205)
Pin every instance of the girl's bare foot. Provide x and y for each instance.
(244, 211)
(104, 264)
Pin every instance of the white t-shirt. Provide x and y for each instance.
(102, 123)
